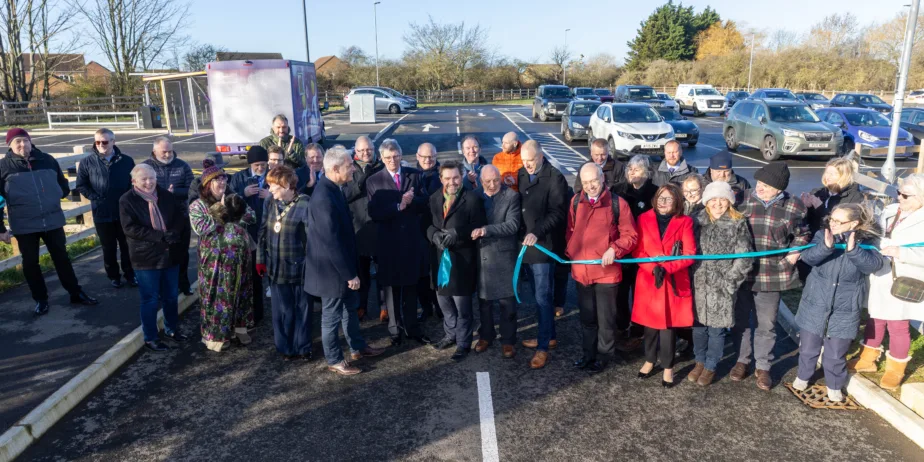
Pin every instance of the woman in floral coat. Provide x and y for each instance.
(225, 291)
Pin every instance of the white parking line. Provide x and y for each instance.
(458, 133)
(193, 138)
(139, 138)
(68, 142)
(489, 451)
(459, 146)
(733, 153)
(524, 117)
(382, 131)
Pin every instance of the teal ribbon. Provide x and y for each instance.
(664, 258)
(2, 202)
(442, 276)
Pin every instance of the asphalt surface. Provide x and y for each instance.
(413, 403)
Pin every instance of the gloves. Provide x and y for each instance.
(261, 269)
(449, 239)
(437, 238)
(172, 237)
(659, 274)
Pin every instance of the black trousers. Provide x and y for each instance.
(623, 305)
(427, 297)
(508, 320)
(560, 286)
(112, 239)
(402, 310)
(56, 242)
(597, 304)
(258, 291)
(665, 352)
(183, 279)
(365, 281)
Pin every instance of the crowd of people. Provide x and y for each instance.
(322, 226)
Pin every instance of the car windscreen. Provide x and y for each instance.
(870, 99)
(742, 94)
(792, 114)
(634, 114)
(778, 94)
(584, 109)
(867, 119)
(603, 92)
(642, 93)
(664, 96)
(669, 114)
(583, 91)
(813, 97)
(706, 92)
(556, 92)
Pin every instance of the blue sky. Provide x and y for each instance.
(524, 29)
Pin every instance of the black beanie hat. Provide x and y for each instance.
(775, 174)
(257, 154)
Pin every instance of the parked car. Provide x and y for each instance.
(576, 119)
(630, 128)
(815, 100)
(861, 100)
(551, 102)
(780, 128)
(638, 94)
(606, 96)
(915, 96)
(668, 101)
(865, 127)
(912, 121)
(733, 97)
(685, 131)
(774, 93)
(386, 99)
(699, 99)
(584, 93)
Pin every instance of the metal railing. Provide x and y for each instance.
(31, 112)
(111, 119)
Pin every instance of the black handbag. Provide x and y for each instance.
(907, 289)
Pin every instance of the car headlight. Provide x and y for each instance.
(695, 129)
(576, 125)
(792, 133)
(867, 137)
(625, 135)
(909, 137)
(670, 134)
(551, 105)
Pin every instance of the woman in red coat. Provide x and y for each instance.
(663, 299)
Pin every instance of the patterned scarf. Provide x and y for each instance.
(157, 221)
(449, 200)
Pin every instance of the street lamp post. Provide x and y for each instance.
(375, 19)
(751, 64)
(564, 67)
(888, 168)
(305, 19)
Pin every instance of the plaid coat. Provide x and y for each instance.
(283, 253)
(779, 226)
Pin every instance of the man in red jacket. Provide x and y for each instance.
(598, 228)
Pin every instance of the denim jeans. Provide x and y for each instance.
(708, 345)
(542, 275)
(158, 286)
(336, 312)
(291, 319)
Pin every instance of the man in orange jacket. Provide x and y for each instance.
(508, 161)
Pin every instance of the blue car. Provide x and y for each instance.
(684, 130)
(866, 127)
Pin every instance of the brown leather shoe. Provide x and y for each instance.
(559, 311)
(534, 343)
(344, 368)
(539, 360)
(367, 352)
(383, 315)
(764, 382)
(509, 351)
(705, 378)
(739, 372)
(481, 345)
(695, 373)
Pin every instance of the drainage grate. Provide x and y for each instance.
(816, 397)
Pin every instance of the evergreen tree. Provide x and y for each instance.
(669, 33)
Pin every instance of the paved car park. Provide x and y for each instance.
(415, 404)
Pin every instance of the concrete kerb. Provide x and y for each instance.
(867, 393)
(28, 430)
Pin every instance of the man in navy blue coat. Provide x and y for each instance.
(331, 263)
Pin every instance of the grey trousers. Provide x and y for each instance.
(759, 309)
(457, 319)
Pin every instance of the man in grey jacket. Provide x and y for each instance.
(674, 168)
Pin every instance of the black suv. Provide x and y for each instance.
(863, 100)
(551, 102)
(638, 94)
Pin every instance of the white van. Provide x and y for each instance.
(699, 99)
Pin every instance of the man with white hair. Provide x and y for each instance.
(543, 195)
(28, 180)
(330, 264)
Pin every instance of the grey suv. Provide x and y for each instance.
(780, 128)
(551, 102)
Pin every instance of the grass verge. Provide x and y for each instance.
(14, 277)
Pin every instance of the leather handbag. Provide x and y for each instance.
(907, 289)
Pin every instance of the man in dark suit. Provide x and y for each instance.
(543, 197)
(365, 164)
(330, 263)
(497, 248)
(429, 183)
(396, 205)
(250, 184)
(455, 214)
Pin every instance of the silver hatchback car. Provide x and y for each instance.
(386, 99)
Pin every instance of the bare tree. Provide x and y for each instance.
(354, 56)
(29, 29)
(885, 41)
(445, 52)
(197, 57)
(133, 33)
(782, 39)
(470, 50)
(838, 32)
(560, 57)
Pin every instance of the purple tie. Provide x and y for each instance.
(398, 180)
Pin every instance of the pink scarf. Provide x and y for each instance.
(157, 221)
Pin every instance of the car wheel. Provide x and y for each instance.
(562, 127)
(568, 137)
(696, 112)
(731, 140)
(543, 117)
(847, 147)
(692, 144)
(613, 152)
(394, 109)
(590, 137)
(768, 148)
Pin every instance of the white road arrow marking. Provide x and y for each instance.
(497, 142)
(427, 127)
(481, 114)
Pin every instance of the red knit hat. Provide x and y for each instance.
(14, 133)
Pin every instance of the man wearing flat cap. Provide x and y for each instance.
(720, 169)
